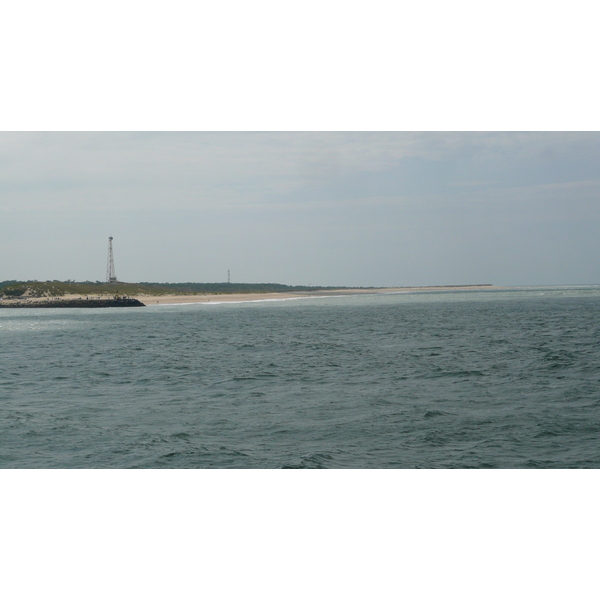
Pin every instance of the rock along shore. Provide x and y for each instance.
(74, 303)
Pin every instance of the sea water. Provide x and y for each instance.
(476, 379)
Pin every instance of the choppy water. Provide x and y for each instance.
(485, 379)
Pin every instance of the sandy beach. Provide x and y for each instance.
(257, 297)
(197, 298)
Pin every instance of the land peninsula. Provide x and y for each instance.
(92, 294)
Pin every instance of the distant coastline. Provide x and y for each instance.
(88, 294)
(329, 293)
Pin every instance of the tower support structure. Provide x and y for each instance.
(110, 264)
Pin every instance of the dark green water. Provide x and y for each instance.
(485, 379)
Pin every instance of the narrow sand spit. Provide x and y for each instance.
(198, 298)
(201, 298)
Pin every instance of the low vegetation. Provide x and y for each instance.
(55, 289)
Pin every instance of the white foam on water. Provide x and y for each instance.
(219, 302)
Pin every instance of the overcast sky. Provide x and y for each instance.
(364, 209)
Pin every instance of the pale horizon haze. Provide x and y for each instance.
(301, 208)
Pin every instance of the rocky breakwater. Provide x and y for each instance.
(72, 303)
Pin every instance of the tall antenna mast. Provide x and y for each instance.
(228, 277)
(110, 264)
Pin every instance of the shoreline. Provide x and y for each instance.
(150, 300)
(257, 297)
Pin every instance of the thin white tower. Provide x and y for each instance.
(110, 264)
